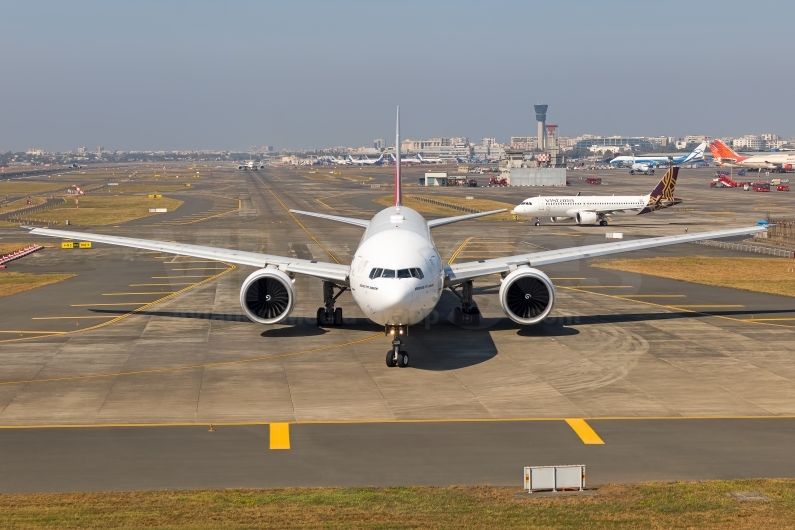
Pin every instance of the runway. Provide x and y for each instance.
(138, 338)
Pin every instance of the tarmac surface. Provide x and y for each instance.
(110, 380)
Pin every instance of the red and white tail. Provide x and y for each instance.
(398, 182)
(725, 151)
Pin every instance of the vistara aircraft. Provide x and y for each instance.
(396, 276)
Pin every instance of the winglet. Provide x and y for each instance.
(398, 188)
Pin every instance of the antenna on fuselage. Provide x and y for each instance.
(398, 188)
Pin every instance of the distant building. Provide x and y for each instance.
(445, 148)
(696, 139)
(523, 142)
(750, 142)
(99, 151)
(618, 142)
(35, 151)
(379, 143)
(81, 151)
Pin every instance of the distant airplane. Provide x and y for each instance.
(254, 166)
(367, 161)
(726, 156)
(655, 160)
(429, 160)
(595, 209)
(407, 161)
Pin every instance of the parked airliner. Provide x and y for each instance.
(654, 160)
(396, 276)
(726, 156)
(595, 209)
(367, 161)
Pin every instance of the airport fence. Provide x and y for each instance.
(782, 232)
(743, 247)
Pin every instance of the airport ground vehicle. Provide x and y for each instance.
(472, 183)
(498, 181)
(782, 187)
(593, 180)
(760, 186)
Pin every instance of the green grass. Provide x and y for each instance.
(652, 505)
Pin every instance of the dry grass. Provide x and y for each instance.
(100, 210)
(653, 505)
(433, 209)
(11, 187)
(17, 282)
(21, 204)
(761, 275)
(7, 247)
(149, 187)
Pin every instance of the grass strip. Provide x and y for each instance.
(651, 505)
(761, 275)
(483, 205)
(100, 210)
(17, 282)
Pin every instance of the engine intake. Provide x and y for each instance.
(587, 218)
(527, 295)
(267, 296)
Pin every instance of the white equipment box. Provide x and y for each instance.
(554, 478)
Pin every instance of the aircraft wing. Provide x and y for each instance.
(447, 220)
(326, 271)
(348, 220)
(461, 272)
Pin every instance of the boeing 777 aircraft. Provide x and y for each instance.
(653, 160)
(367, 161)
(396, 276)
(590, 210)
(726, 156)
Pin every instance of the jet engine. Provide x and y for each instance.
(587, 218)
(559, 219)
(527, 295)
(267, 296)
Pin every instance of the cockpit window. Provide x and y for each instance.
(392, 273)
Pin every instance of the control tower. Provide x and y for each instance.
(541, 116)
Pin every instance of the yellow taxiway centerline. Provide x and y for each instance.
(70, 318)
(159, 284)
(584, 431)
(125, 294)
(279, 435)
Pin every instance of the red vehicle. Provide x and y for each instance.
(760, 186)
(593, 180)
(497, 181)
(782, 187)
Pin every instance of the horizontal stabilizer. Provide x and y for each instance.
(349, 220)
(447, 220)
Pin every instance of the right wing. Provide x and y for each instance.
(461, 272)
(447, 220)
(335, 272)
(348, 220)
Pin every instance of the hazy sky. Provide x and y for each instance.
(301, 74)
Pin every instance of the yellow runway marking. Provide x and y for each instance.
(606, 286)
(192, 261)
(178, 368)
(200, 269)
(755, 319)
(655, 296)
(69, 318)
(118, 303)
(458, 251)
(568, 279)
(179, 276)
(706, 305)
(280, 436)
(39, 332)
(584, 431)
(297, 221)
(125, 294)
(159, 284)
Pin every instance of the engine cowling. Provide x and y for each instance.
(587, 218)
(527, 295)
(267, 296)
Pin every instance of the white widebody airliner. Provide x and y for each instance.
(642, 163)
(396, 276)
(595, 209)
(367, 161)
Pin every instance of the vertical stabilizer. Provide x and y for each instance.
(398, 183)
(665, 188)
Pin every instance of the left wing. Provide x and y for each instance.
(447, 220)
(335, 272)
(461, 272)
(348, 220)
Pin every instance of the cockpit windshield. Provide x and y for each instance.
(415, 272)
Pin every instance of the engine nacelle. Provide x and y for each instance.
(587, 218)
(527, 295)
(267, 296)
(559, 219)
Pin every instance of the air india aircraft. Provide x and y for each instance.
(396, 276)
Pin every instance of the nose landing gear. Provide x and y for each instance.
(396, 356)
(328, 315)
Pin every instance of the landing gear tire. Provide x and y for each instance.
(602, 223)
(631, 172)
(390, 359)
(321, 316)
(328, 315)
(338, 316)
(403, 359)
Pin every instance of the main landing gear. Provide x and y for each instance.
(396, 356)
(468, 314)
(327, 315)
